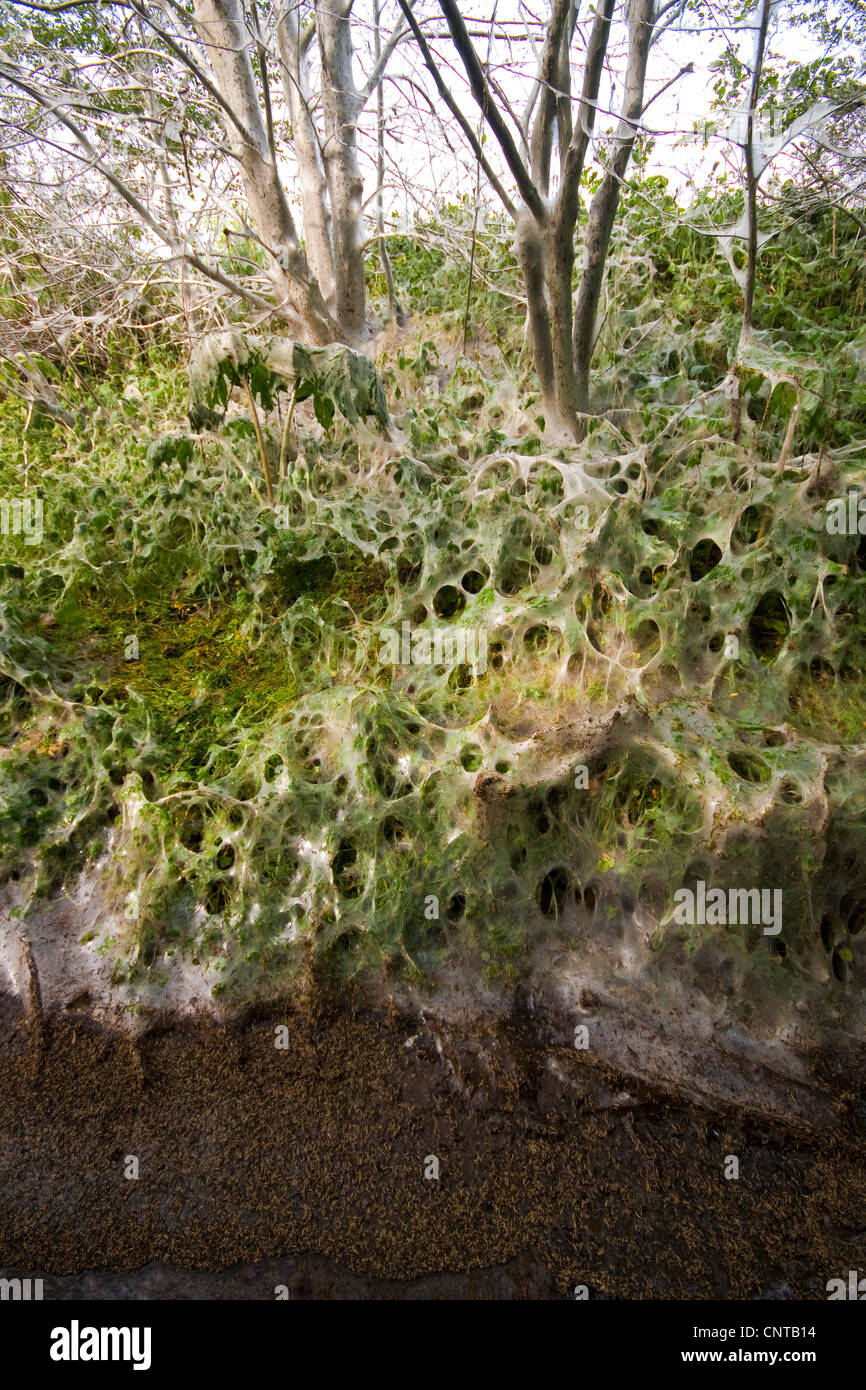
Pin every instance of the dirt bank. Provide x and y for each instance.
(554, 1170)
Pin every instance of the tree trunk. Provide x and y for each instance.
(222, 28)
(530, 254)
(557, 40)
(295, 72)
(562, 339)
(393, 307)
(602, 211)
(342, 106)
(558, 230)
(559, 262)
(545, 263)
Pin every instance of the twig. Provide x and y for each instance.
(284, 444)
(260, 437)
(789, 436)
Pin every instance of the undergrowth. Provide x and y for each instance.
(201, 701)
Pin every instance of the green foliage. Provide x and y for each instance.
(334, 378)
(431, 270)
(275, 793)
(248, 369)
(338, 379)
(170, 448)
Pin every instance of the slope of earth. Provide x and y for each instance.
(311, 1166)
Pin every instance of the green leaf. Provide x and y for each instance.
(324, 407)
(170, 448)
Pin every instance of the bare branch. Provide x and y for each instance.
(458, 115)
(480, 89)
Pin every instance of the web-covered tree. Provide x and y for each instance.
(562, 324)
(193, 92)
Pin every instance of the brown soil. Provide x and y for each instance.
(552, 1172)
